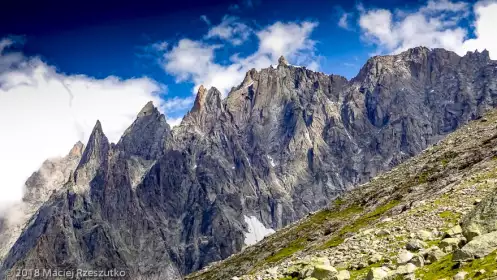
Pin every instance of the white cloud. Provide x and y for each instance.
(43, 113)
(343, 22)
(174, 121)
(433, 25)
(377, 25)
(286, 38)
(195, 60)
(230, 30)
(189, 59)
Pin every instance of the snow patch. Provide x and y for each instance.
(256, 230)
(249, 84)
(432, 90)
(271, 161)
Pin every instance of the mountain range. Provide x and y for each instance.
(165, 202)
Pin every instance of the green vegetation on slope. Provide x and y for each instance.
(293, 247)
(446, 268)
(361, 222)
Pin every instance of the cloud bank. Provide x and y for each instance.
(436, 24)
(43, 113)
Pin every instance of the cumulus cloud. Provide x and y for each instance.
(195, 60)
(43, 113)
(436, 24)
(286, 38)
(189, 59)
(231, 30)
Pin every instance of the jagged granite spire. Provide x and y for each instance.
(476, 56)
(147, 135)
(94, 156)
(200, 98)
(207, 100)
(282, 61)
(208, 108)
(77, 149)
(148, 109)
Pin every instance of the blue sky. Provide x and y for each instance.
(65, 64)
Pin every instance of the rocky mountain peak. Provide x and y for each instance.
(250, 76)
(205, 114)
(94, 156)
(486, 53)
(412, 62)
(97, 128)
(77, 149)
(96, 140)
(421, 50)
(482, 57)
(282, 61)
(207, 99)
(200, 98)
(148, 109)
(147, 135)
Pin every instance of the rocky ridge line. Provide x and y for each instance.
(284, 143)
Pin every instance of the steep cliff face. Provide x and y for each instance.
(431, 217)
(38, 188)
(283, 143)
